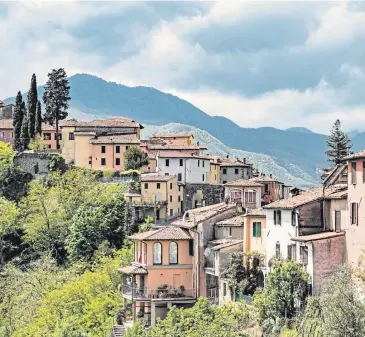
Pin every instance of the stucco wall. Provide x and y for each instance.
(231, 175)
(223, 232)
(213, 176)
(255, 243)
(229, 189)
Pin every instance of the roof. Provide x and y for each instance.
(174, 154)
(116, 139)
(165, 233)
(6, 124)
(133, 270)
(224, 243)
(318, 236)
(303, 198)
(338, 195)
(177, 135)
(174, 147)
(356, 155)
(243, 183)
(264, 179)
(147, 178)
(255, 212)
(132, 194)
(113, 122)
(236, 221)
(335, 173)
(48, 127)
(233, 164)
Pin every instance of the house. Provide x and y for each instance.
(272, 190)
(308, 228)
(248, 192)
(355, 224)
(177, 139)
(232, 170)
(214, 175)
(189, 168)
(77, 137)
(6, 111)
(162, 197)
(161, 274)
(6, 131)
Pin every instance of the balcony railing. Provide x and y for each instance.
(168, 292)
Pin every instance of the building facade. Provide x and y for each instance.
(246, 191)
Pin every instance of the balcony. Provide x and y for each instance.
(163, 292)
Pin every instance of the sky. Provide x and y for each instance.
(280, 64)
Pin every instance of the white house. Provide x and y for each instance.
(248, 192)
(188, 168)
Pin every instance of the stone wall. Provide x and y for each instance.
(33, 162)
(203, 194)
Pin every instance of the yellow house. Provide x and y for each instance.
(214, 175)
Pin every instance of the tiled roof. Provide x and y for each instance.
(233, 164)
(114, 122)
(177, 135)
(224, 243)
(174, 154)
(116, 139)
(338, 195)
(146, 178)
(256, 212)
(174, 147)
(165, 233)
(48, 127)
(133, 270)
(235, 221)
(264, 179)
(6, 124)
(303, 198)
(243, 183)
(318, 236)
(356, 155)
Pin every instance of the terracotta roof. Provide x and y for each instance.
(6, 124)
(256, 212)
(174, 147)
(177, 135)
(243, 183)
(147, 178)
(116, 139)
(233, 164)
(165, 233)
(338, 195)
(85, 133)
(114, 122)
(224, 243)
(356, 155)
(236, 221)
(174, 154)
(264, 179)
(303, 198)
(133, 270)
(318, 236)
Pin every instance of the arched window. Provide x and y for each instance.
(157, 253)
(277, 250)
(173, 253)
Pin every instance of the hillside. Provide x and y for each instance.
(295, 150)
(263, 162)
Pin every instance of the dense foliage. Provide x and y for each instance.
(134, 158)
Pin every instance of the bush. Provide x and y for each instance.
(131, 173)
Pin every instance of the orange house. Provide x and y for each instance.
(161, 275)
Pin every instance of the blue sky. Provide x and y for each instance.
(272, 63)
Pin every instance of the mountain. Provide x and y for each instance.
(299, 129)
(353, 133)
(93, 97)
(263, 162)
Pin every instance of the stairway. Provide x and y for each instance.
(118, 331)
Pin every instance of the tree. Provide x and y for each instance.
(6, 157)
(38, 119)
(24, 135)
(56, 96)
(32, 106)
(339, 144)
(147, 225)
(18, 120)
(134, 158)
(284, 286)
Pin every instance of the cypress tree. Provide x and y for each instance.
(56, 97)
(38, 119)
(17, 121)
(339, 144)
(24, 134)
(32, 106)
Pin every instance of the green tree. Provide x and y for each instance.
(339, 144)
(134, 158)
(6, 157)
(147, 225)
(284, 286)
(38, 119)
(56, 97)
(24, 135)
(32, 106)
(18, 120)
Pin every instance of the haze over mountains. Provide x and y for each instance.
(298, 151)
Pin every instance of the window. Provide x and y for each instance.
(157, 253)
(158, 186)
(90, 161)
(338, 221)
(178, 198)
(293, 218)
(266, 188)
(277, 250)
(146, 186)
(256, 230)
(167, 161)
(353, 172)
(203, 163)
(12, 135)
(117, 161)
(179, 188)
(224, 182)
(198, 163)
(304, 255)
(171, 212)
(229, 231)
(173, 253)
(103, 149)
(224, 289)
(203, 177)
(170, 186)
(59, 136)
(277, 217)
(117, 149)
(235, 171)
(170, 198)
(224, 171)
(47, 136)
(179, 178)
(354, 210)
(292, 252)
(191, 247)
(103, 161)
(181, 162)
(127, 147)
(71, 136)
(363, 171)
(250, 196)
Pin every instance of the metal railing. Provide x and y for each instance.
(168, 292)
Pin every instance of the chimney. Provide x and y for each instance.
(244, 160)
(197, 143)
(227, 156)
(270, 175)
